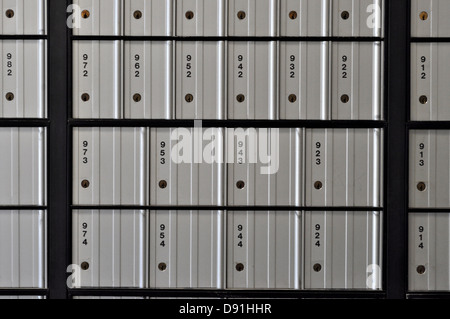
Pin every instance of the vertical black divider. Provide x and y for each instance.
(57, 161)
(397, 243)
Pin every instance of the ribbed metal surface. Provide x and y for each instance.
(110, 247)
(429, 18)
(149, 17)
(343, 250)
(253, 80)
(187, 249)
(180, 174)
(357, 18)
(429, 167)
(201, 80)
(266, 169)
(201, 17)
(357, 78)
(430, 78)
(344, 167)
(429, 252)
(24, 79)
(23, 246)
(23, 166)
(261, 18)
(97, 79)
(308, 18)
(264, 250)
(29, 17)
(99, 17)
(304, 81)
(149, 80)
(110, 166)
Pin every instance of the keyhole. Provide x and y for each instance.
(85, 14)
(9, 96)
(162, 184)
(345, 15)
(85, 265)
(423, 15)
(9, 13)
(423, 99)
(293, 15)
(421, 186)
(137, 14)
(85, 183)
(241, 15)
(240, 184)
(85, 97)
(240, 98)
(318, 185)
(189, 15)
(162, 266)
(292, 98)
(345, 98)
(240, 267)
(421, 269)
(317, 267)
(189, 98)
(137, 98)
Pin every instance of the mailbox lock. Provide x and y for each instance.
(85, 97)
(84, 265)
(423, 15)
(85, 183)
(345, 98)
(421, 186)
(317, 267)
(9, 96)
(293, 15)
(162, 184)
(137, 98)
(240, 98)
(162, 266)
(240, 184)
(9, 13)
(189, 98)
(421, 269)
(240, 267)
(85, 14)
(345, 15)
(292, 98)
(423, 99)
(241, 15)
(137, 14)
(189, 15)
(318, 185)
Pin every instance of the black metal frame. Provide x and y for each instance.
(424, 125)
(396, 127)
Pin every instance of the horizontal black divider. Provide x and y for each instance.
(22, 37)
(429, 125)
(23, 292)
(430, 39)
(4, 122)
(230, 123)
(229, 208)
(429, 295)
(23, 207)
(429, 210)
(161, 293)
(226, 38)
